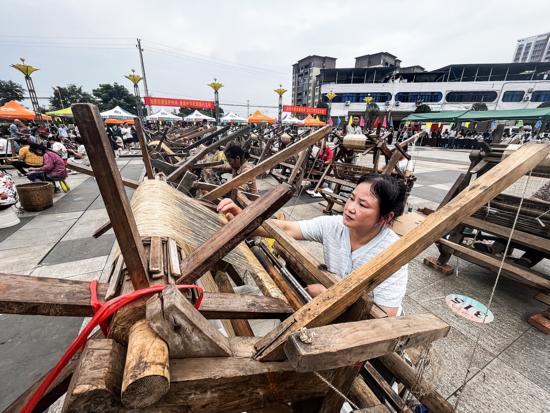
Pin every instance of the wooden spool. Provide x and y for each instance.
(357, 141)
(286, 138)
(146, 373)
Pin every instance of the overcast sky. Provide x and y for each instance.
(249, 46)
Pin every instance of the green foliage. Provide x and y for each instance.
(63, 97)
(10, 90)
(479, 106)
(422, 108)
(544, 105)
(108, 96)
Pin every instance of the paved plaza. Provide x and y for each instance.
(509, 367)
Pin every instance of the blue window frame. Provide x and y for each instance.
(413, 97)
(540, 96)
(472, 96)
(513, 96)
(359, 97)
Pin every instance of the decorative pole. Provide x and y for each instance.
(135, 79)
(280, 91)
(27, 70)
(216, 86)
(330, 95)
(368, 111)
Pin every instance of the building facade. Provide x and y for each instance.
(304, 78)
(533, 49)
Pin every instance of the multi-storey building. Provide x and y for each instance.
(533, 49)
(304, 77)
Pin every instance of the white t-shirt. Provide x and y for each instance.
(5, 147)
(60, 149)
(340, 260)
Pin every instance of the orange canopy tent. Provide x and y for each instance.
(259, 117)
(113, 121)
(311, 121)
(15, 110)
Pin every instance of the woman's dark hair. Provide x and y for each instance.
(235, 150)
(389, 191)
(36, 148)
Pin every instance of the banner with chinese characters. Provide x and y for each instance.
(305, 109)
(181, 103)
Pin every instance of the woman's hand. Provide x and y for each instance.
(229, 208)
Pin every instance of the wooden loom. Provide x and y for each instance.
(494, 220)
(162, 355)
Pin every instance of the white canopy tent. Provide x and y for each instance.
(196, 116)
(164, 115)
(288, 119)
(117, 113)
(232, 117)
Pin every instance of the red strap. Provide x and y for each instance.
(96, 305)
(101, 315)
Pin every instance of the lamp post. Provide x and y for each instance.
(330, 95)
(27, 70)
(368, 111)
(215, 85)
(280, 91)
(135, 79)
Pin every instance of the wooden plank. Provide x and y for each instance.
(240, 327)
(362, 395)
(156, 263)
(231, 234)
(205, 139)
(115, 279)
(192, 160)
(269, 163)
(173, 258)
(339, 345)
(543, 298)
(95, 386)
(144, 152)
(130, 183)
(512, 271)
(523, 238)
(327, 306)
(100, 153)
(208, 284)
(185, 330)
(393, 397)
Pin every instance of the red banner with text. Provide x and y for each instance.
(181, 103)
(305, 109)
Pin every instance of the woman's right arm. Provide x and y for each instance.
(231, 210)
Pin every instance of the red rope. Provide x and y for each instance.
(102, 312)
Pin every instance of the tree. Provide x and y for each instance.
(63, 97)
(423, 108)
(544, 104)
(10, 90)
(479, 106)
(108, 96)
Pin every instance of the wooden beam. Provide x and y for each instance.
(240, 327)
(388, 391)
(205, 139)
(144, 152)
(100, 153)
(269, 163)
(339, 345)
(29, 295)
(231, 234)
(185, 330)
(192, 160)
(327, 306)
(130, 183)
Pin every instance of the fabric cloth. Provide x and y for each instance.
(249, 186)
(8, 194)
(53, 167)
(30, 158)
(353, 130)
(340, 260)
(62, 132)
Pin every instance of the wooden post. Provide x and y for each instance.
(240, 327)
(100, 153)
(144, 152)
(326, 307)
(268, 163)
(146, 376)
(205, 139)
(130, 183)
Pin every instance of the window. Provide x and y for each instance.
(359, 97)
(540, 96)
(376, 97)
(472, 96)
(413, 97)
(513, 96)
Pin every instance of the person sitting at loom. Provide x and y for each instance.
(238, 164)
(53, 168)
(351, 240)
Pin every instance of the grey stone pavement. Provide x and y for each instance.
(510, 364)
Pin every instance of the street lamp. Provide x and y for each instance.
(27, 70)
(135, 79)
(215, 85)
(330, 95)
(280, 91)
(369, 109)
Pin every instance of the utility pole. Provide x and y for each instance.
(149, 109)
(247, 107)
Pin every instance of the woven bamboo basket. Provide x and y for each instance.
(358, 142)
(35, 196)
